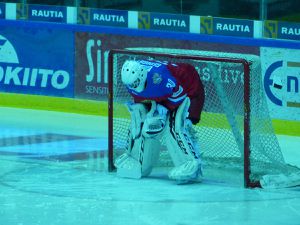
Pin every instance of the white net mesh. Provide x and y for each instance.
(221, 130)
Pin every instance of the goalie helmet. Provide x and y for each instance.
(134, 75)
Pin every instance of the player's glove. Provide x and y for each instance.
(155, 120)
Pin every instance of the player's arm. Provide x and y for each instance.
(196, 93)
(197, 102)
(189, 79)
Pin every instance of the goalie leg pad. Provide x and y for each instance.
(181, 147)
(138, 113)
(180, 143)
(150, 155)
(185, 157)
(138, 161)
(128, 167)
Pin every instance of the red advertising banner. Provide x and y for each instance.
(91, 81)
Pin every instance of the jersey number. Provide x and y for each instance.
(170, 84)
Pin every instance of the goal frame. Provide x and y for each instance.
(247, 109)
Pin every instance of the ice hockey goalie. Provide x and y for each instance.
(167, 101)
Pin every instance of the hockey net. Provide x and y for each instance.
(236, 137)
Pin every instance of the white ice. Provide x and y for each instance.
(45, 191)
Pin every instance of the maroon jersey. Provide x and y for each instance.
(189, 79)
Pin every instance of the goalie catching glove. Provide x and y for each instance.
(155, 120)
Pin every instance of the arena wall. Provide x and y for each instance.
(59, 65)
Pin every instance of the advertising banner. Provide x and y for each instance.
(282, 30)
(36, 61)
(161, 21)
(228, 27)
(47, 13)
(2, 10)
(103, 17)
(281, 70)
(91, 72)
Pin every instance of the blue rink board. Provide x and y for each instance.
(160, 34)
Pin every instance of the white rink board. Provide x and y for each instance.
(285, 72)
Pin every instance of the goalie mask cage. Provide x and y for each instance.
(235, 134)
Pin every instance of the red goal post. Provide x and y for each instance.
(233, 134)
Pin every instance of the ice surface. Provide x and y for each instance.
(52, 173)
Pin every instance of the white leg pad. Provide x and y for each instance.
(128, 167)
(180, 143)
(138, 161)
(138, 113)
(150, 156)
(182, 148)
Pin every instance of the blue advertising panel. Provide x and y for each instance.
(289, 30)
(2, 10)
(282, 30)
(117, 18)
(233, 27)
(35, 60)
(103, 17)
(228, 27)
(47, 13)
(161, 21)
